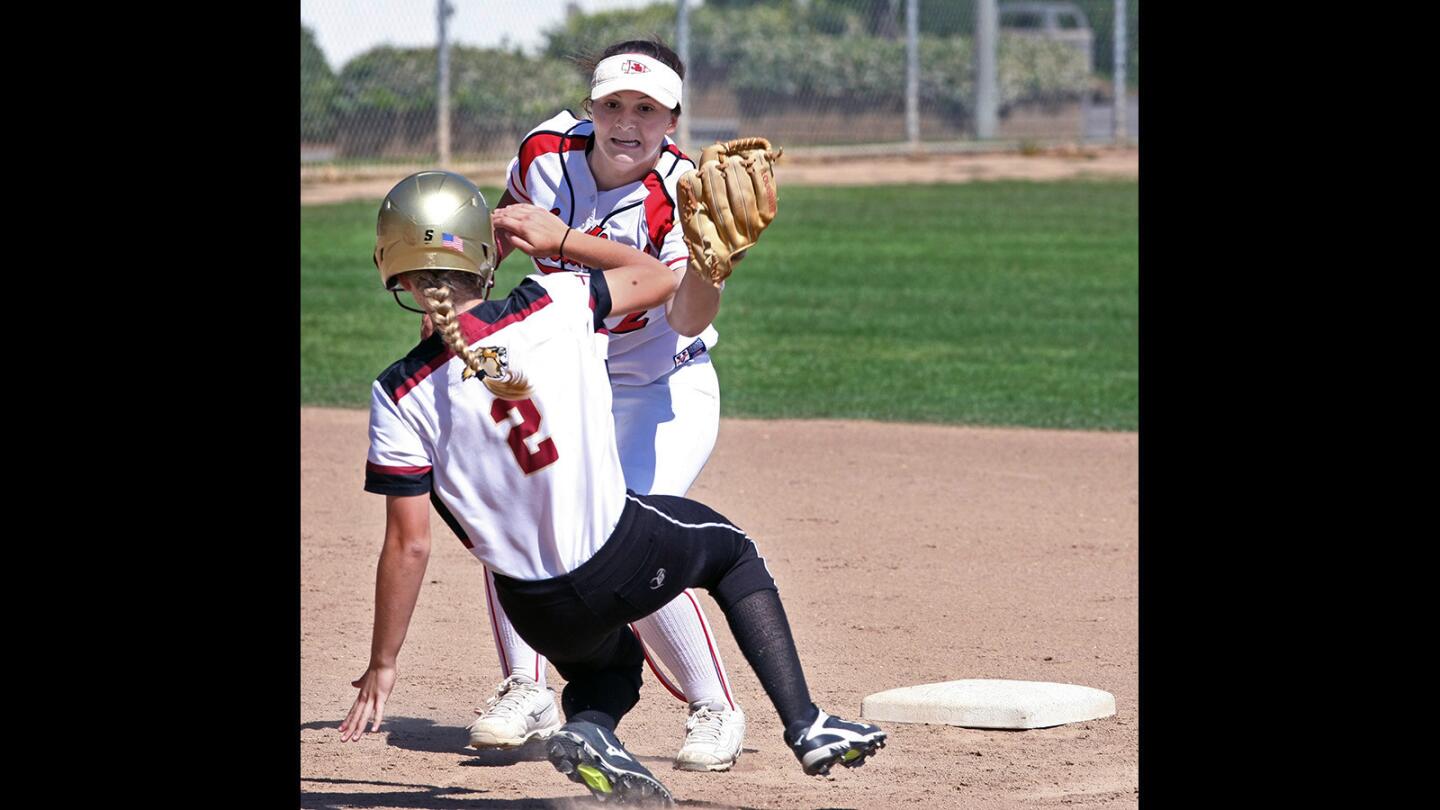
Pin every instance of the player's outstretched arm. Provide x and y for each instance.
(695, 305)
(637, 280)
(638, 287)
(538, 232)
(397, 585)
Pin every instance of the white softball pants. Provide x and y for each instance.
(666, 431)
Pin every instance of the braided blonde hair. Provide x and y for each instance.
(437, 291)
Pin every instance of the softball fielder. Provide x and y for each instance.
(613, 176)
(522, 464)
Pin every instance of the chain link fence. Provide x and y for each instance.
(805, 73)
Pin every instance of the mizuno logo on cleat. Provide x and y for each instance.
(616, 752)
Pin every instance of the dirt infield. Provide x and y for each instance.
(905, 554)
(1052, 164)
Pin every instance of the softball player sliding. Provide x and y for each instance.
(523, 466)
(614, 177)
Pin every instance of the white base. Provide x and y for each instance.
(978, 703)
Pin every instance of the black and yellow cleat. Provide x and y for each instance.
(593, 756)
(829, 741)
(594, 778)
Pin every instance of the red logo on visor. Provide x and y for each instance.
(631, 66)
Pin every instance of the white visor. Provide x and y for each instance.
(638, 72)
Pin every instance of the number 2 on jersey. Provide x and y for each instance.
(531, 461)
(633, 321)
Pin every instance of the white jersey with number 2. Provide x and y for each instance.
(516, 480)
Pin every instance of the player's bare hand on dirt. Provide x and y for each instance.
(532, 229)
(369, 705)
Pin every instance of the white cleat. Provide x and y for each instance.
(712, 739)
(520, 711)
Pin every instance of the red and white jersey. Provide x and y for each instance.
(551, 171)
(532, 487)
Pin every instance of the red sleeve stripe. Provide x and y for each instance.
(659, 209)
(548, 143)
(384, 470)
(519, 193)
(679, 259)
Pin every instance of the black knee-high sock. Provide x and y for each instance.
(763, 634)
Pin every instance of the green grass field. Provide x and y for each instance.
(1012, 303)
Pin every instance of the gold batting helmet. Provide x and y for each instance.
(434, 220)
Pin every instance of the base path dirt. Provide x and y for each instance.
(905, 554)
(320, 186)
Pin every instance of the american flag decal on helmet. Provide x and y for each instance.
(631, 66)
(450, 240)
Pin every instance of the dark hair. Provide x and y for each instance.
(655, 48)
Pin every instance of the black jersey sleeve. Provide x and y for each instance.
(599, 299)
(385, 480)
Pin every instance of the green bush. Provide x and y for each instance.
(782, 54)
(502, 91)
(583, 36)
(777, 55)
(721, 38)
(387, 98)
(947, 78)
(317, 91)
(1032, 69)
(822, 70)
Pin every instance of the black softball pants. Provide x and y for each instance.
(662, 545)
